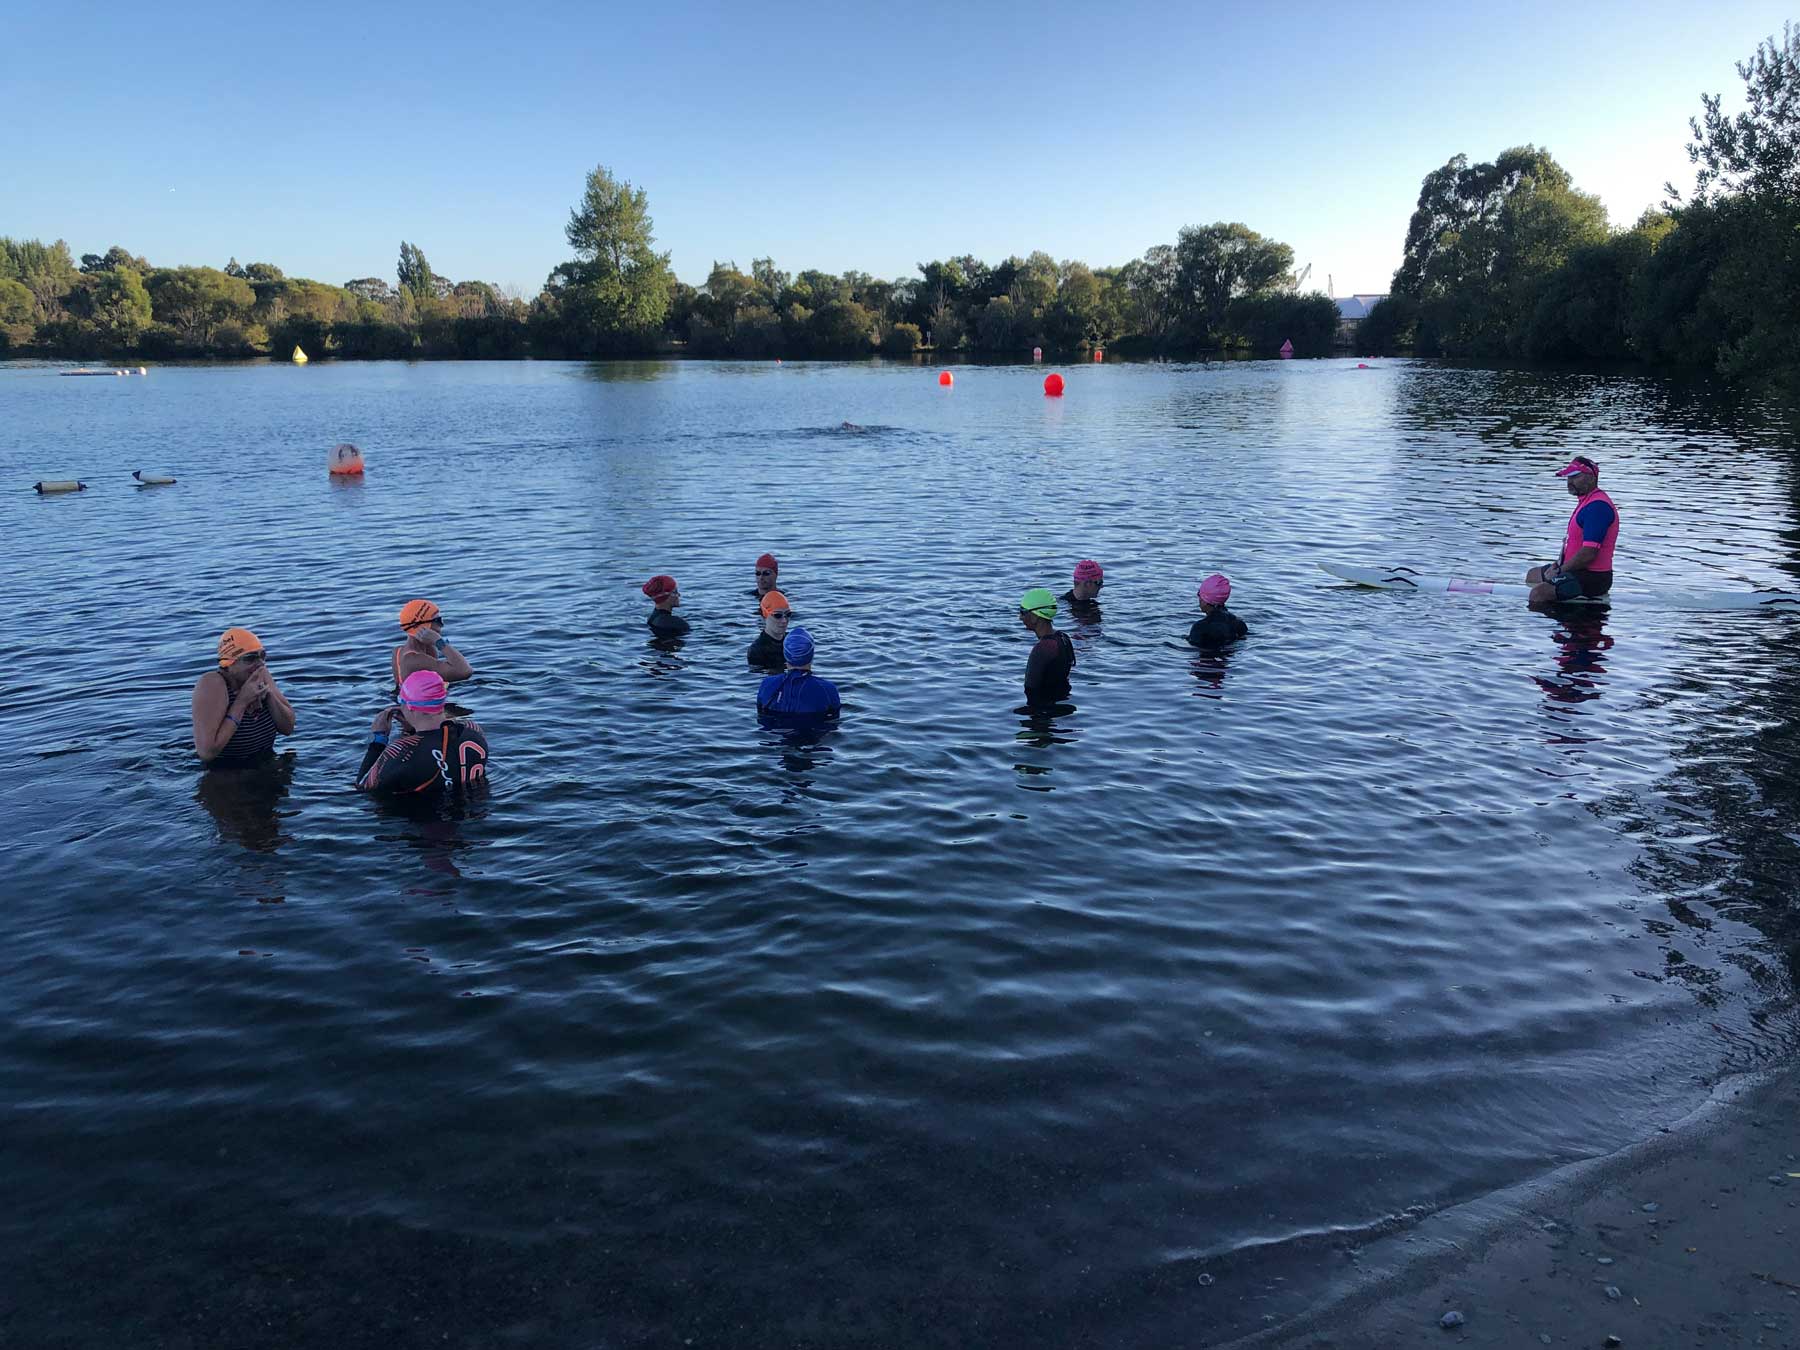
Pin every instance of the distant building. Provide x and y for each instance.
(1352, 310)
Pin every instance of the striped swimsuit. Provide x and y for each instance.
(254, 736)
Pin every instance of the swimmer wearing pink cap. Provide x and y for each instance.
(1217, 626)
(1083, 598)
(430, 751)
(1584, 568)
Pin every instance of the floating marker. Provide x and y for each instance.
(299, 357)
(1099, 353)
(1287, 349)
(345, 461)
(1037, 353)
(946, 379)
(151, 479)
(1053, 385)
(50, 485)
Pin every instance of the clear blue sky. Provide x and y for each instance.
(318, 135)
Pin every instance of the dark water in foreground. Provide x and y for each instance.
(948, 1029)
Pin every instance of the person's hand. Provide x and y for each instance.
(383, 720)
(251, 692)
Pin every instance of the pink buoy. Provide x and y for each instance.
(1364, 365)
(1053, 385)
(346, 461)
(1287, 350)
(946, 379)
(1037, 353)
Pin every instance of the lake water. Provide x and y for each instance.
(952, 1027)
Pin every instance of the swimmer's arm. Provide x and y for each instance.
(453, 665)
(279, 708)
(212, 729)
(1584, 556)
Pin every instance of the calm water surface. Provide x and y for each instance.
(950, 1027)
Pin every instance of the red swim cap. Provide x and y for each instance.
(660, 585)
(767, 563)
(1088, 570)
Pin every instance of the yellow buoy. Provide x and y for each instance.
(299, 357)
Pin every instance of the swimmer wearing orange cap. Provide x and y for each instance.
(238, 715)
(765, 652)
(426, 649)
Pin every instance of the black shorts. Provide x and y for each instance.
(1582, 585)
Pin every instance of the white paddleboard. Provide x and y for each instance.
(1408, 579)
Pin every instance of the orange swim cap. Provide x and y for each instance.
(236, 642)
(773, 600)
(415, 612)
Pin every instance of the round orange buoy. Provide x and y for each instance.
(946, 379)
(1053, 385)
(345, 460)
(1099, 353)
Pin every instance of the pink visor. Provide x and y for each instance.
(1580, 464)
(424, 691)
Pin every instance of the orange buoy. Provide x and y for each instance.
(345, 460)
(946, 379)
(1053, 385)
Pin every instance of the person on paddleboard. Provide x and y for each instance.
(1584, 568)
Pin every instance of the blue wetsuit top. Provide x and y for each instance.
(798, 692)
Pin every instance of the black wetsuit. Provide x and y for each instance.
(1218, 629)
(665, 624)
(1081, 609)
(1047, 670)
(254, 737)
(766, 651)
(453, 758)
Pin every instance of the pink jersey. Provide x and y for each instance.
(1574, 539)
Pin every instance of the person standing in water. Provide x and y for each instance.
(429, 752)
(1216, 626)
(664, 621)
(1052, 655)
(1584, 568)
(766, 650)
(767, 570)
(797, 694)
(238, 715)
(1083, 598)
(426, 647)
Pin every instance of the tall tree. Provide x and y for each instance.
(617, 290)
(1215, 264)
(1758, 151)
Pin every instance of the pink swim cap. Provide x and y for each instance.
(1088, 570)
(424, 691)
(1215, 590)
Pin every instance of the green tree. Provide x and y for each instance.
(618, 287)
(1214, 265)
(46, 270)
(414, 273)
(197, 302)
(120, 307)
(1757, 152)
(903, 339)
(17, 308)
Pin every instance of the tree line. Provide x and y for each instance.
(1510, 260)
(1219, 287)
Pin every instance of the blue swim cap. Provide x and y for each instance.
(797, 647)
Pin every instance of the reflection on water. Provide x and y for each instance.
(685, 1001)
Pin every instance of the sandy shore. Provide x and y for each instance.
(1691, 1238)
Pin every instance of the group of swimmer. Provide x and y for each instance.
(416, 746)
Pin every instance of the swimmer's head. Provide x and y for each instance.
(417, 617)
(1037, 605)
(766, 571)
(1089, 578)
(1215, 590)
(776, 613)
(239, 644)
(423, 691)
(797, 649)
(662, 589)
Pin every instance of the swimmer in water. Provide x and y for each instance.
(797, 694)
(1216, 626)
(1052, 655)
(427, 751)
(766, 650)
(426, 648)
(238, 716)
(1083, 598)
(664, 621)
(767, 569)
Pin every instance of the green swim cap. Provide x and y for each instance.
(1039, 601)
